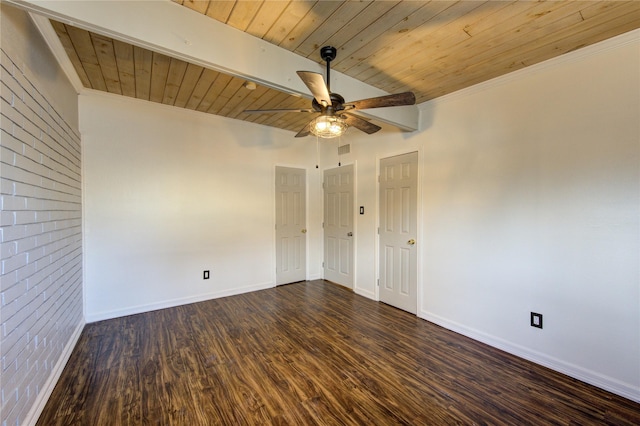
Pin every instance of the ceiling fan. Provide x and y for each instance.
(334, 117)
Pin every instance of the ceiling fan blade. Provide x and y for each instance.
(398, 99)
(265, 111)
(315, 83)
(306, 130)
(361, 124)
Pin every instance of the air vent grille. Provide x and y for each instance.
(344, 149)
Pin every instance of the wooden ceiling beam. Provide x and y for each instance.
(172, 30)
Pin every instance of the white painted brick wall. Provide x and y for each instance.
(40, 240)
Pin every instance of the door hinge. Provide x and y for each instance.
(323, 225)
(378, 282)
(378, 230)
(323, 264)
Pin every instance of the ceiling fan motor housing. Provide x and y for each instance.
(337, 102)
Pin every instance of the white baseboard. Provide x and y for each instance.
(47, 388)
(368, 294)
(138, 309)
(593, 378)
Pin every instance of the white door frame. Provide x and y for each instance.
(419, 221)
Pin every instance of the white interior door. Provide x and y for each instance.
(338, 225)
(291, 232)
(398, 231)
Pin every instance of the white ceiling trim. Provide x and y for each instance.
(166, 27)
(52, 40)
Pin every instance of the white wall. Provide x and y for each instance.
(530, 202)
(170, 193)
(40, 235)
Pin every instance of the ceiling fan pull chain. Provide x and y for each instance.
(317, 154)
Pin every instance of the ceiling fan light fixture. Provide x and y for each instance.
(328, 126)
(332, 123)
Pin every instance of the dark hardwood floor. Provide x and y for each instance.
(304, 354)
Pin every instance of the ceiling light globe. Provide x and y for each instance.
(328, 126)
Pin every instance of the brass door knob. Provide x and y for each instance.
(411, 242)
(304, 231)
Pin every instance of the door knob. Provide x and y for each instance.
(304, 231)
(411, 242)
(349, 234)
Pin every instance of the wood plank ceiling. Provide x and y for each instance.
(429, 47)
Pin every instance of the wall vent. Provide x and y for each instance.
(344, 149)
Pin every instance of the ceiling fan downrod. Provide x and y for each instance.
(328, 54)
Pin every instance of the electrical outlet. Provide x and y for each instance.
(536, 320)
(205, 275)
